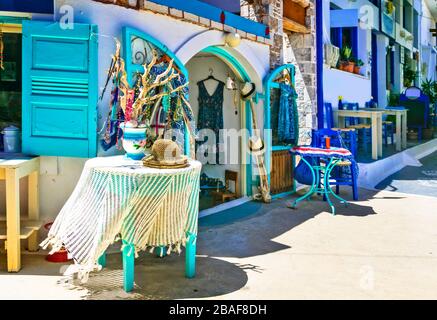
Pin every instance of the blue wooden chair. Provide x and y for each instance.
(418, 106)
(346, 172)
(387, 126)
(348, 134)
(364, 129)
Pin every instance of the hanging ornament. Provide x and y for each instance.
(2, 46)
(166, 101)
(129, 104)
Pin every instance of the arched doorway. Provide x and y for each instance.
(220, 115)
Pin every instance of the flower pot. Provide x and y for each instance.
(412, 135)
(357, 69)
(349, 67)
(342, 65)
(134, 140)
(59, 256)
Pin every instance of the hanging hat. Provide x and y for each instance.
(165, 154)
(247, 90)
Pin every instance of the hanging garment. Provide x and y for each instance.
(211, 113)
(287, 118)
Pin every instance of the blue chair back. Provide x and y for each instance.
(417, 104)
(319, 138)
(349, 121)
(329, 118)
(337, 140)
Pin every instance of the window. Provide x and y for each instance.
(342, 37)
(416, 23)
(407, 17)
(10, 81)
(390, 69)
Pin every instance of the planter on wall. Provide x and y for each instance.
(349, 67)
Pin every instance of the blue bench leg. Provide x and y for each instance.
(190, 256)
(128, 266)
(102, 260)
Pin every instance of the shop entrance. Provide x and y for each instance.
(216, 104)
(10, 81)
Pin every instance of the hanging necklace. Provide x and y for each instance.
(2, 46)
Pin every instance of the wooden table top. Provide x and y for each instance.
(13, 160)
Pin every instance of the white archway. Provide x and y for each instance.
(243, 54)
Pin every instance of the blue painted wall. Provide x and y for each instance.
(217, 14)
(34, 6)
(228, 5)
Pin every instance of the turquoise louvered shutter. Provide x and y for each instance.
(59, 89)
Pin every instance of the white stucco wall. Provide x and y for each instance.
(60, 175)
(351, 87)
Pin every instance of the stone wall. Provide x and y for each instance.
(298, 49)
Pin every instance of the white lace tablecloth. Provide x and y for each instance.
(117, 197)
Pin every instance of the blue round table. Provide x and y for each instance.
(325, 161)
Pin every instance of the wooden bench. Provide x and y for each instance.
(15, 229)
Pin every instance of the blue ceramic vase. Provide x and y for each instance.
(133, 140)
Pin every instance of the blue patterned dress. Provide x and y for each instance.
(287, 118)
(211, 112)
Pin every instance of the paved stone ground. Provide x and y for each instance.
(416, 180)
(380, 248)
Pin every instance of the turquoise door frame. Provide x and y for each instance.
(131, 68)
(244, 76)
(269, 84)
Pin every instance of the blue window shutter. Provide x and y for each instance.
(59, 89)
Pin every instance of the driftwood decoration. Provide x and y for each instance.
(154, 91)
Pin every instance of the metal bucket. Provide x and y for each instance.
(12, 139)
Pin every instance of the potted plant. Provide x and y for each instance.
(358, 66)
(389, 7)
(409, 77)
(346, 63)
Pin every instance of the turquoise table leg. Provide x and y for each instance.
(102, 260)
(313, 188)
(161, 251)
(327, 186)
(128, 266)
(190, 256)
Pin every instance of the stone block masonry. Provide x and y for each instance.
(299, 50)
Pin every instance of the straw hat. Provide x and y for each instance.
(165, 154)
(248, 90)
